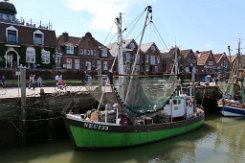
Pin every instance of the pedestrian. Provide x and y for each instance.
(29, 82)
(3, 81)
(33, 82)
(39, 81)
(57, 78)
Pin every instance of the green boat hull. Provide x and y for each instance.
(85, 135)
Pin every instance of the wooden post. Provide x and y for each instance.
(23, 103)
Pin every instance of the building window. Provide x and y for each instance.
(153, 48)
(153, 59)
(128, 58)
(88, 65)
(98, 64)
(30, 55)
(77, 64)
(68, 63)
(210, 63)
(69, 49)
(12, 35)
(132, 45)
(45, 56)
(104, 52)
(147, 59)
(38, 38)
(158, 59)
(138, 59)
(105, 65)
(147, 68)
(156, 69)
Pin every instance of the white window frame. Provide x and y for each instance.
(105, 65)
(69, 63)
(98, 64)
(104, 52)
(45, 56)
(146, 58)
(88, 64)
(77, 64)
(30, 55)
(12, 28)
(153, 59)
(38, 32)
(69, 49)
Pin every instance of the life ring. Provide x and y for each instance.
(190, 103)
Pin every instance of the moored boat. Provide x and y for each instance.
(135, 109)
(233, 92)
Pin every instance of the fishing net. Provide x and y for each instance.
(139, 94)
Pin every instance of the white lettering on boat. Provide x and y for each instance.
(96, 126)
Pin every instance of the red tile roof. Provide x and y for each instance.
(184, 53)
(202, 57)
(218, 57)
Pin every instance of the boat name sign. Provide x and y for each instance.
(96, 126)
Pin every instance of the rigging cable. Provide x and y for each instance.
(108, 33)
(159, 35)
(134, 23)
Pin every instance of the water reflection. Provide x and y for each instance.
(218, 140)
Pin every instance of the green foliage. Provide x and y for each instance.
(2, 53)
(22, 53)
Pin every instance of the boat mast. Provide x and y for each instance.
(120, 64)
(147, 19)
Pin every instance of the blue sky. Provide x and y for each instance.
(191, 24)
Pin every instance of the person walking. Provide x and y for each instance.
(39, 81)
(33, 82)
(3, 81)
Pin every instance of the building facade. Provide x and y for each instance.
(23, 43)
(85, 53)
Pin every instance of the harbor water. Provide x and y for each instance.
(220, 139)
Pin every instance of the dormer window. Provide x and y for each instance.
(132, 45)
(69, 49)
(104, 52)
(38, 37)
(153, 48)
(12, 35)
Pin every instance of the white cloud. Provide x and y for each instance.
(103, 12)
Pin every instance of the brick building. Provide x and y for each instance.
(23, 43)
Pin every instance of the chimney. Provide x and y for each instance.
(65, 36)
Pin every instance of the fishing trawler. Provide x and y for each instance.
(135, 109)
(233, 92)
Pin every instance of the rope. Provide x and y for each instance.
(108, 33)
(16, 128)
(159, 35)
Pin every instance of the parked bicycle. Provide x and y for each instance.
(64, 86)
